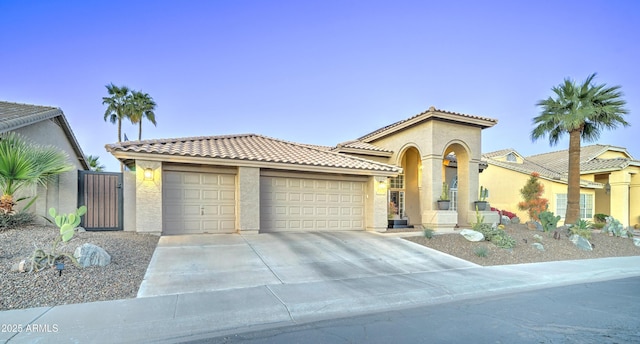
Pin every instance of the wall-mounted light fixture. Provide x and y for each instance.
(382, 187)
(148, 174)
(607, 188)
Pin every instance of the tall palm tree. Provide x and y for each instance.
(94, 164)
(141, 106)
(116, 106)
(24, 163)
(582, 111)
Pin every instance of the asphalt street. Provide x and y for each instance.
(602, 312)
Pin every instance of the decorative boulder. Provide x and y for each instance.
(91, 255)
(636, 241)
(538, 246)
(515, 220)
(505, 220)
(535, 226)
(581, 242)
(472, 235)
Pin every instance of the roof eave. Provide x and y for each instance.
(129, 157)
(430, 115)
(23, 121)
(348, 150)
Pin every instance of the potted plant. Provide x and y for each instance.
(481, 203)
(444, 202)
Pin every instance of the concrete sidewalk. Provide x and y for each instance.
(175, 318)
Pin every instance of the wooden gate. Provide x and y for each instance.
(101, 192)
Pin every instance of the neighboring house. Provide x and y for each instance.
(47, 125)
(610, 181)
(226, 184)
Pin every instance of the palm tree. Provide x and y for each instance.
(582, 111)
(116, 106)
(24, 163)
(94, 164)
(141, 106)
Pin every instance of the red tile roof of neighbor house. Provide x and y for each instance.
(250, 147)
(15, 115)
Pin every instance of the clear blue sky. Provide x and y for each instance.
(319, 72)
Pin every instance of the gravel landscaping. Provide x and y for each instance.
(130, 256)
(524, 252)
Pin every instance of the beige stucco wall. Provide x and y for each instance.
(248, 199)
(129, 200)
(148, 203)
(62, 192)
(634, 198)
(433, 140)
(376, 204)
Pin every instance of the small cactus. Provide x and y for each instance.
(548, 220)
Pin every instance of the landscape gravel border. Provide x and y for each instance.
(130, 255)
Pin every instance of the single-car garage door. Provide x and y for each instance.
(299, 204)
(198, 202)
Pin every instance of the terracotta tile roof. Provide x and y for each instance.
(432, 112)
(500, 153)
(250, 147)
(604, 164)
(355, 144)
(529, 166)
(15, 115)
(589, 161)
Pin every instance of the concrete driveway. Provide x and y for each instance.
(212, 262)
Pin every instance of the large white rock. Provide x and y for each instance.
(91, 255)
(472, 235)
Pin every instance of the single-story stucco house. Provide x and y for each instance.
(609, 181)
(47, 125)
(249, 182)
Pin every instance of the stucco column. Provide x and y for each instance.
(129, 200)
(149, 197)
(620, 182)
(376, 204)
(634, 200)
(431, 189)
(248, 202)
(468, 190)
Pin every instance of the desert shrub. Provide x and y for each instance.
(506, 213)
(22, 218)
(497, 236)
(532, 194)
(581, 228)
(481, 251)
(428, 233)
(601, 218)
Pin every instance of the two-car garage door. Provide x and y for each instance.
(300, 204)
(205, 202)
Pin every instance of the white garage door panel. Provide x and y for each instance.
(290, 204)
(197, 202)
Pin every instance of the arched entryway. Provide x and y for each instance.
(456, 173)
(405, 189)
